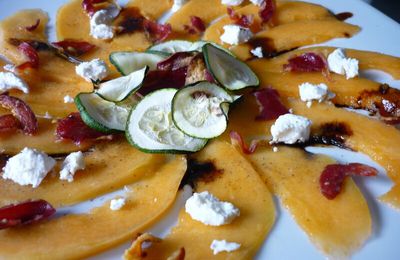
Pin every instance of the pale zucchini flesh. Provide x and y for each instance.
(128, 62)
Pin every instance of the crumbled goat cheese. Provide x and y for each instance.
(310, 92)
(9, 80)
(257, 2)
(47, 115)
(257, 52)
(290, 129)
(9, 67)
(68, 99)
(340, 64)
(275, 149)
(218, 246)
(29, 167)
(72, 163)
(178, 4)
(117, 204)
(92, 70)
(235, 34)
(206, 208)
(101, 23)
(231, 2)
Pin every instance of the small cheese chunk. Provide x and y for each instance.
(10, 68)
(68, 99)
(340, 64)
(72, 163)
(231, 2)
(218, 246)
(9, 80)
(101, 23)
(117, 204)
(258, 52)
(310, 92)
(235, 34)
(290, 129)
(257, 2)
(29, 167)
(92, 70)
(206, 208)
(178, 4)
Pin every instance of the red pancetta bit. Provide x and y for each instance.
(73, 128)
(237, 139)
(333, 176)
(75, 48)
(176, 61)
(155, 31)
(307, 62)
(241, 20)
(88, 6)
(9, 123)
(159, 79)
(267, 10)
(269, 103)
(32, 55)
(21, 111)
(33, 27)
(25, 213)
(197, 25)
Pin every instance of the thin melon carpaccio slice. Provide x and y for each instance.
(367, 60)
(287, 12)
(294, 35)
(79, 236)
(44, 140)
(206, 10)
(53, 79)
(371, 137)
(239, 184)
(153, 9)
(109, 167)
(73, 23)
(337, 227)
(347, 92)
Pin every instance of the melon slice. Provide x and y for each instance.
(79, 236)
(237, 183)
(337, 227)
(109, 167)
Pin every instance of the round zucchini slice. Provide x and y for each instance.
(128, 62)
(171, 47)
(119, 89)
(100, 114)
(201, 110)
(230, 72)
(150, 127)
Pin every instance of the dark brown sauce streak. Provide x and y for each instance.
(343, 16)
(199, 171)
(130, 20)
(268, 48)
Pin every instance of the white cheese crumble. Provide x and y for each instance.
(92, 70)
(9, 67)
(101, 23)
(178, 5)
(340, 64)
(218, 246)
(208, 209)
(68, 99)
(72, 163)
(275, 149)
(314, 92)
(257, 2)
(258, 52)
(290, 129)
(9, 80)
(235, 34)
(117, 204)
(231, 2)
(29, 167)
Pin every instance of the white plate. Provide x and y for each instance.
(287, 241)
